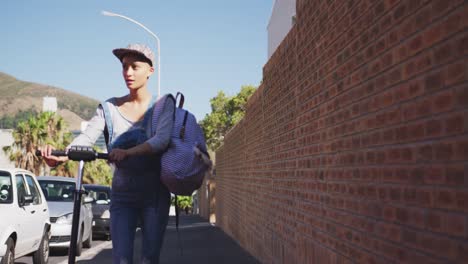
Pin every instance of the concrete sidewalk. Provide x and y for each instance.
(201, 242)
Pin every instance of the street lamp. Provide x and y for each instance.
(154, 35)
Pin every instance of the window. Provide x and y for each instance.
(34, 190)
(58, 191)
(21, 187)
(6, 190)
(99, 193)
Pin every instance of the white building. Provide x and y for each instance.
(281, 21)
(49, 104)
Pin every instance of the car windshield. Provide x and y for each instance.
(99, 194)
(6, 191)
(57, 191)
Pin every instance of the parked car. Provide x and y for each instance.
(101, 206)
(24, 224)
(59, 192)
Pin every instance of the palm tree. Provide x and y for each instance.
(43, 128)
(60, 138)
(27, 136)
(97, 172)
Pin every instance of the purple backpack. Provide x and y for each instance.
(186, 160)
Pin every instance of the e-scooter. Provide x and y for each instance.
(81, 154)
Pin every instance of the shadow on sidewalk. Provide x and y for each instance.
(201, 243)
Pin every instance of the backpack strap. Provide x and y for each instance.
(108, 129)
(182, 99)
(177, 208)
(171, 97)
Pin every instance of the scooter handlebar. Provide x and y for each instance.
(78, 153)
(102, 155)
(58, 153)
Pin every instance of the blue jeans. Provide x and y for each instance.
(154, 218)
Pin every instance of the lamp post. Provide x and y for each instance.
(154, 35)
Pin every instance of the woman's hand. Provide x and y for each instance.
(117, 155)
(50, 160)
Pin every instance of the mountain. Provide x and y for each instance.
(17, 95)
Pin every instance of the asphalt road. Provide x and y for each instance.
(60, 256)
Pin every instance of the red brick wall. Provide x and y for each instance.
(206, 198)
(355, 147)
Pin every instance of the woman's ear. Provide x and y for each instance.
(151, 71)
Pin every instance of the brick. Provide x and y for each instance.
(434, 81)
(444, 52)
(400, 11)
(388, 231)
(410, 217)
(462, 200)
(434, 128)
(416, 131)
(395, 76)
(454, 124)
(424, 62)
(417, 196)
(456, 73)
(455, 175)
(461, 149)
(434, 221)
(462, 47)
(432, 35)
(445, 199)
(414, 110)
(415, 44)
(417, 176)
(437, 245)
(409, 90)
(461, 95)
(392, 38)
(455, 225)
(434, 175)
(423, 108)
(422, 18)
(462, 251)
(389, 213)
(401, 53)
(444, 151)
(443, 102)
(440, 6)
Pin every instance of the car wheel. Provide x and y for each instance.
(41, 256)
(79, 244)
(9, 257)
(88, 243)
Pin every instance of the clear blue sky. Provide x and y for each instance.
(206, 45)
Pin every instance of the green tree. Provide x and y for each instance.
(49, 128)
(7, 121)
(43, 128)
(225, 113)
(185, 203)
(97, 172)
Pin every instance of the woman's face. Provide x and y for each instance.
(135, 72)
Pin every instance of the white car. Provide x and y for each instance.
(24, 217)
(59, 193)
